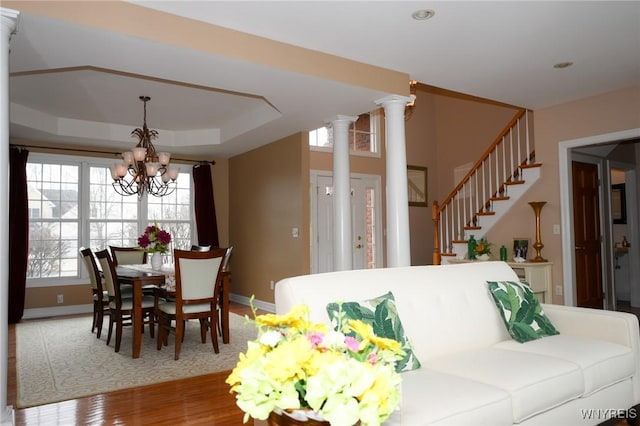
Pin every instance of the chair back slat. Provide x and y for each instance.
(109, 274)
(128, 255)
(92, 269)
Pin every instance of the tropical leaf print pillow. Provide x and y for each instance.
(382, 315)
(521, 311)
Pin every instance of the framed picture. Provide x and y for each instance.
(520, 248)
(417, 185)
(618, 204)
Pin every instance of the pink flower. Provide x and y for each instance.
(315, 338)
(352, 343)
(372, 358)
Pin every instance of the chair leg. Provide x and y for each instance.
(214, 336)
(99, 323)
(95, 316)
(203, 330)
(179, 337)
(111, 320)
(162, 331)
(118, 333)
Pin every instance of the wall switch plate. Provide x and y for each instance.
(60, 298)
(556, 229)
(558, 290)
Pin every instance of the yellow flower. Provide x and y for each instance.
(366, 332)
(295, 319)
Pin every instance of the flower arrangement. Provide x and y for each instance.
(154, 239)
(483, 247)
(295, 364)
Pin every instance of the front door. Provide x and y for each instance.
(365, 223)
(586, 229)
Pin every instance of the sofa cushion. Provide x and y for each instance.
(432, 397)
(381, 313)
(535, 382)
(602, 363)
(520, 310)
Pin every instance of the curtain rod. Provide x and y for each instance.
(93, 151)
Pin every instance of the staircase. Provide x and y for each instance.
(501, 176)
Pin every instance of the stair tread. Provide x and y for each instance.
(532, 165)
(505, 198)
(514, 182)
(447, 254)
(473, 227)
(486, 213)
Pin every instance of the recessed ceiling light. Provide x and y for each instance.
(561, 65)
(423, 14)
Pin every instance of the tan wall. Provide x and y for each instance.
(422, 150)
(464, 130)
(268, 196)
(46, 297)
(606, 113)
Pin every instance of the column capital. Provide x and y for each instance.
(9, 20)
(395, 99)
(342, 118)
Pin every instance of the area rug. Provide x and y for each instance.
(60, 359)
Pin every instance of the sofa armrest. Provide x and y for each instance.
(616, 327)
(611, 326)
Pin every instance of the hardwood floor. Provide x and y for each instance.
(203, 400)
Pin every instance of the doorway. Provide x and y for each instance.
(566, 151)
(366, 221)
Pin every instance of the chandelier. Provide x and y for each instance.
(142, 169)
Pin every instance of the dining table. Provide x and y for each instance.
(141, 276)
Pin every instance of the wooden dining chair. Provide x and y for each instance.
(200, 248)
(121, 308)
(100, 295)
(197, 276)
(128, 255)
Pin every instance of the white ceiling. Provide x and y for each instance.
(204, 104)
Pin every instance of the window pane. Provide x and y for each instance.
(56, 216)
(362, 134)
(53, 193)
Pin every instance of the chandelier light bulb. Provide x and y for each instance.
(127, 157)
(139, 153)
(164, 158)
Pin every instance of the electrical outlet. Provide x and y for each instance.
(558, 290)
(271, 284)
(60, 298)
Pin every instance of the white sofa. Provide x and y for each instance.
(472, 372)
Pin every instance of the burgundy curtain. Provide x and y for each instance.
(18, 232)
(205, 207)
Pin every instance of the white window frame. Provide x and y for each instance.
(375, 118)
(84, 163)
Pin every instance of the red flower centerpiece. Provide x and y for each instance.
(154, 239)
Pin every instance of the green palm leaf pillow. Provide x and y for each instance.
(520, 310)
(382, 315)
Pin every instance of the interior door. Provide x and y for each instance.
(586, 228)
(365, 223)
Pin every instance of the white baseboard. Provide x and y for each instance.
(243, 300)
(57, 311)
(8, 416)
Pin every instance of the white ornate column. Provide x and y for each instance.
(398, 243)
(8, 20)
(342, 233)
